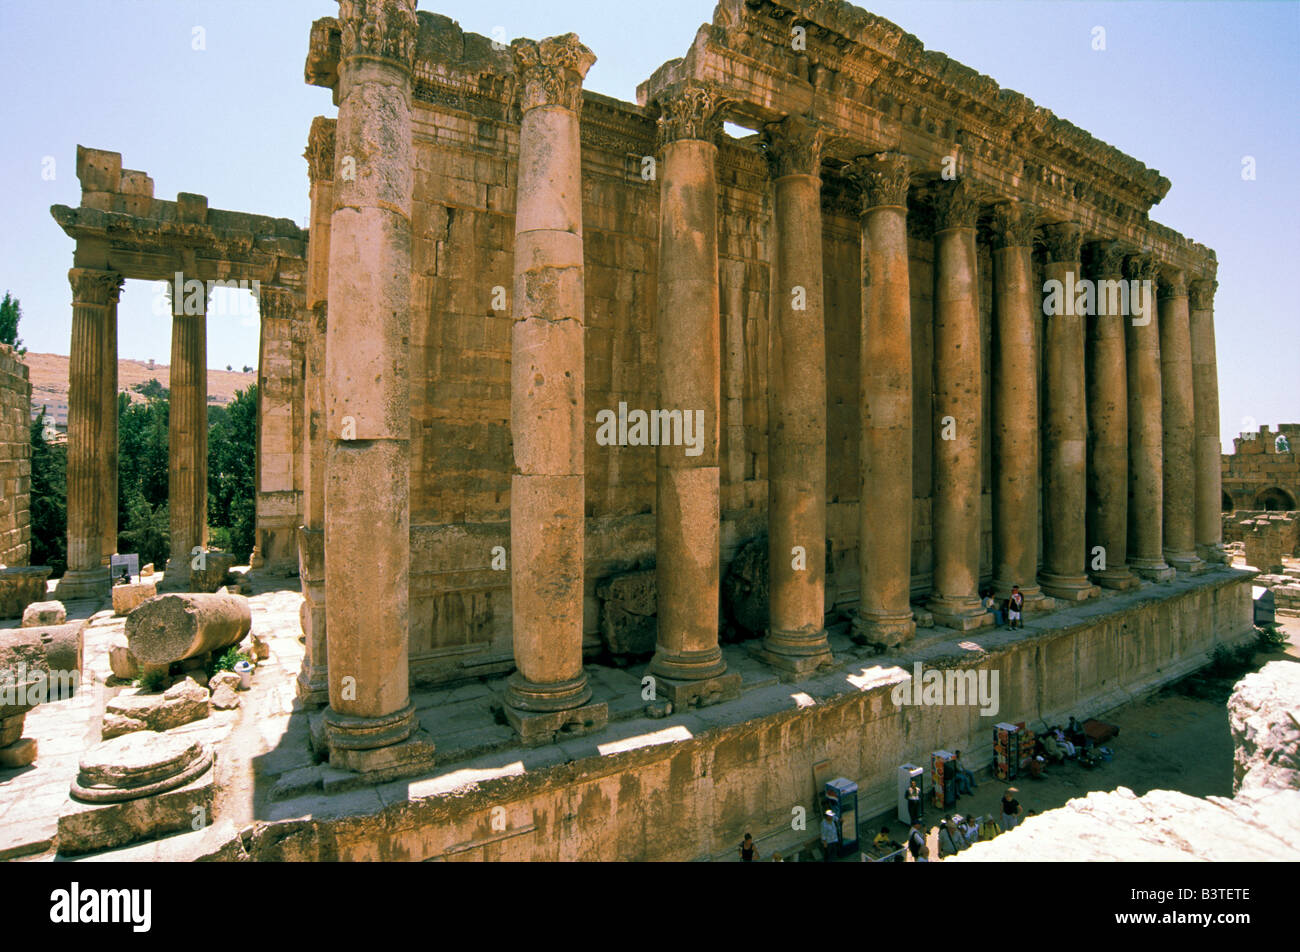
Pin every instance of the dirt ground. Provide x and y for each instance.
(1175, 739)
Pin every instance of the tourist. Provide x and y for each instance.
(991, 608)
(830, 836)
(1010, 809)
(884, 842)
(1015, 606)
(915, 839)
(972, 829)
(748, 851)
(914, 802)
(965, 779)
(989, 829)
(924, 855)
(1052, 747)
(957, 830)
(946, 846)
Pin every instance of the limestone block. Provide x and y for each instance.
(19, 754)
(11, 728)
(128, 597)
(547, 380)
(211, 574)
(20, 586)
(52, 648)
(176, 626)
(227, 678)
(628, 622)
(44, 613)
(147, 570)
(224, 698)
(745, 590)
(181, 703)
(1265, 732)
(121, 660)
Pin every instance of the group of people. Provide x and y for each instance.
(965, 786)
(1010, 612)
(1056, 745)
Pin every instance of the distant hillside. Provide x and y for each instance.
(49, 376)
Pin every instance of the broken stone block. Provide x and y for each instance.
(55, 649)
(176, 626)
(120, 659)
(11, 729)
(181, 703)
(628, 623)
(44, 613)
(147, 570)
(224, 698)
(20, 586)
(229, 678)
(18, 754)
(115, 725)
(213, 571)
(745, 587)
(126, 598)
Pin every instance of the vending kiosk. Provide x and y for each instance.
(842, 800)
(943, 777)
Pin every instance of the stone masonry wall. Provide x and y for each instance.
(15, 459)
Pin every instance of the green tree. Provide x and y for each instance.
(49, 500)
(11, 313)
(232, 451)
(142, 514)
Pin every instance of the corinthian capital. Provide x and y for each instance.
(793, 146)
(690, 111)
(1173, 282)
(320, 150)
(1105, 259)
(1064, 240)
(1201, 291)
(380, 28)
(1014, 224)
(552, 70)
(955, 206)
(883, 179)
(276, 302)
(91, 286)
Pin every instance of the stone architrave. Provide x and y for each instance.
(1145, 441)
(1179, 424)
(688, 662)
(1065, 472)
(187, 435)
(884, 615)
(796, 642)
(1205, 396)
(1107, 387)
(95, 295)
(548, 692)
(370, 721)
(954, 599)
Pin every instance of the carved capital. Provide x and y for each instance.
(1014, 224)
(551, 71)
(1064, 240)
(793, 146)
(690, 111)
(381, 28)
(91, 286)
(1173, 282)
(276, 302)
(1104, 259)
(1140, 267)
(320, 150)
(883, 179)
(1201, 291)
(955, 206)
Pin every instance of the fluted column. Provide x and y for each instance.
(1065, 429)
(796, 641)
(187, 437)
(108, 438)
(549, 691)
(370, 720)
(884, 614)
(94, 305)
(1145, 442)
(1015, 406)
(1205, 396)
(1108, 423)
(954, 598)
(688, 660)
(1178, 419)
(313, 681)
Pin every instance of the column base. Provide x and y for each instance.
(688, 665)
(697, 693)
(1069, 588)
(1120, 579)
(312, 687)
(1186, 563)
(412, 755)
(1213, 554)
(176, 575)
(1153, 570)
(795, 655)
(539, 728)
(887, 629)
(961, 612)
(87, 583)
(350, 732)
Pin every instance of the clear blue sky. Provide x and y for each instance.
(1189, 88)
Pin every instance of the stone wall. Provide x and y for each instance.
(1257, 476)
(15, 459)
(691, 789)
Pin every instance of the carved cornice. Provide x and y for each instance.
(91, 286)
(1014, 224)
(793, 146)
(955, 206)
(1173, 282)
(1104, 260)
(1201, 292)
(320, 150)
(551, 71)
(882, 178)
(1141, 267)
(1064, 240)
(690, 111)
(385, 29)
(276, 302)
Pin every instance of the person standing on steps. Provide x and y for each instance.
(1015, 606)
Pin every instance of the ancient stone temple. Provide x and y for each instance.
(1263, 470)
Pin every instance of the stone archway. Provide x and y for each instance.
(1275, 499)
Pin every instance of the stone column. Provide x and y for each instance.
(884, 614)
(1065, 429)
(313, 680)
(1015, 406)
(796, 641)
(1205, 396)
(370, 723)
(954, 597)
(1145, 449)
(108, 435)
(278, 379)
(1178, 419)
(187, 436)
(1108, 422)
(94, 306)
(549, 692)
(688, 660)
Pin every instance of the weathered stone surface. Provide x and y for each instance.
(11, 728)
(19, 587)
(212, 574)
(128, 597)
(224, 698)
(1264, 715)
(745, 587)
(38, 614)
(228, 678)
(176, 626)
(146, 570)
(181, 703)
(18, 754)
(120, 659)
(137, 761)
(50, 648)
(628, 621)
(86, 827)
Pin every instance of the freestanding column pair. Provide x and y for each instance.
(1178, 419)
(549, 691)
(370, 720)
(95, 294)
(1205, 395)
